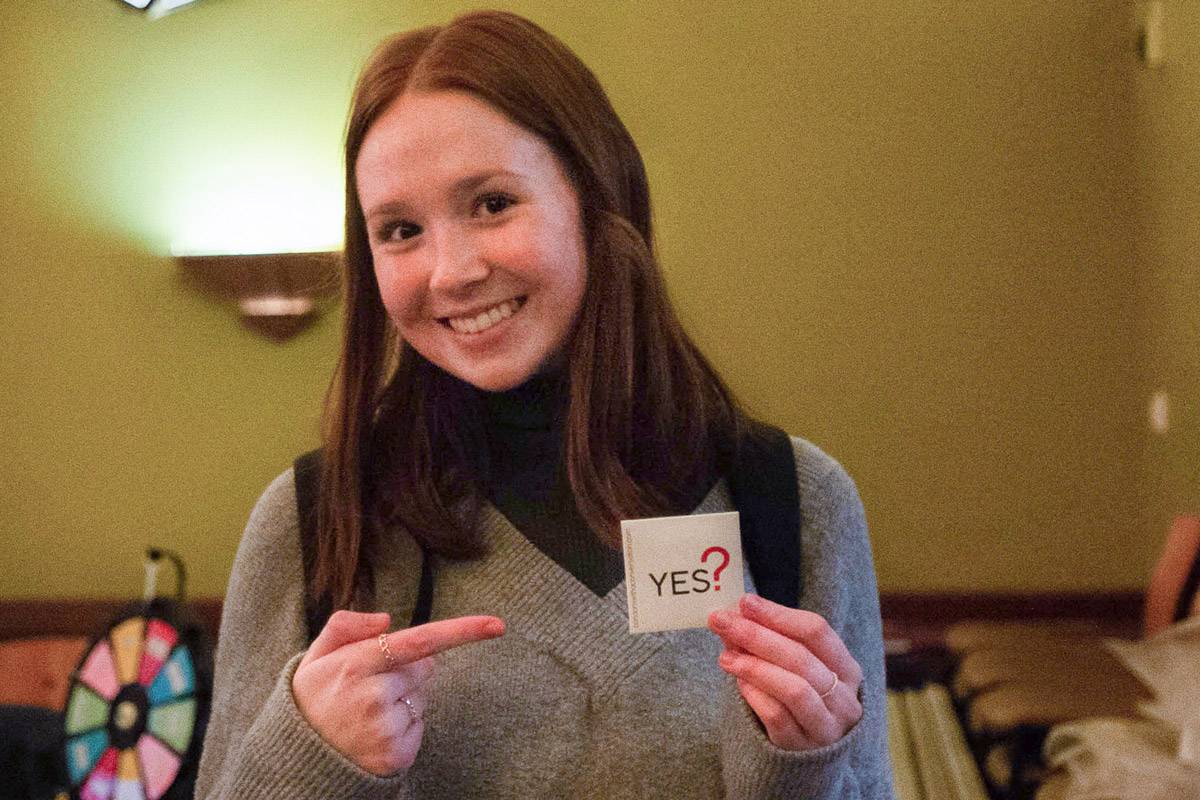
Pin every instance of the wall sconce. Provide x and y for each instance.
(1150, 37)
(157, 8)
(277, 294)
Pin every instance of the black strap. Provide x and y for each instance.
(424, 607)
(763, 485)
(766, 493)
(317, 610)
(307, 470)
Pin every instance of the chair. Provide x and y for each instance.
(34, 676)
(1017, 681)
(991, 654)
(37, 671)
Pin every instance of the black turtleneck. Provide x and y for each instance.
(528, 481)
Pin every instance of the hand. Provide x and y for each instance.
(786, 661)
(353, 695)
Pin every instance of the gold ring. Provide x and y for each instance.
(391, 660)
(829, 691)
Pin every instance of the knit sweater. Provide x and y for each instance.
(568, 703)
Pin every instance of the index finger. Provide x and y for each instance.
(422, 641)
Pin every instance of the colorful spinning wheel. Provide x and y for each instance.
(137, 706)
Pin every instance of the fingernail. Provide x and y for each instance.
(721, 620)
(726, 660)
(496, 628)
(752, 603)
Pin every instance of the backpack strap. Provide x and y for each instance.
(766, 494)
(318, 610)
(307, 470)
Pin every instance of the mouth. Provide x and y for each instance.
(485, 320)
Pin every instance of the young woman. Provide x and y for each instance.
(513, 382)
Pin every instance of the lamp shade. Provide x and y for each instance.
(157, 8)
(277, 294)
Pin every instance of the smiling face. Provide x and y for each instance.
(476, 237)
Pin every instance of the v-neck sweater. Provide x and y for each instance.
(528, 482)
(567, 703)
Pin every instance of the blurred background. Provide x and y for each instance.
(952, 243)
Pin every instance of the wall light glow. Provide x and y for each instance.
(164, 7)
(259, 204)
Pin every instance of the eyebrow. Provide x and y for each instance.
(461, 186)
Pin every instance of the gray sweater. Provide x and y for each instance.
(567, 704)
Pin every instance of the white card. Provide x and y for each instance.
(680, 569)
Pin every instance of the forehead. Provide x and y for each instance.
(424, 139)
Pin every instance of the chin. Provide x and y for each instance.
(497, 381)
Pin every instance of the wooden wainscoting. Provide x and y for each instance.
(28, 618)
(921, 619)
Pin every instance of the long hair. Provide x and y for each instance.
(647, 416)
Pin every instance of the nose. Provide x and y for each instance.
(457, 261)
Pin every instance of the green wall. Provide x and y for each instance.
(905, 231)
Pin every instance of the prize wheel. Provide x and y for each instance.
(137, 705)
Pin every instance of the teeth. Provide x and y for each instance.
(486, 319)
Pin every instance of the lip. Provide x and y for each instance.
(445, 318)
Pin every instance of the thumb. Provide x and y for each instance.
(346, 627)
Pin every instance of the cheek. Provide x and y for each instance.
(559, 255)
(573, 268)
(517, 248)
(398, 291)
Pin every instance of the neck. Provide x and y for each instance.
(536, 404)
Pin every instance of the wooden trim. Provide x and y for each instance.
(947, 608)
(912, 621)
(27, 618)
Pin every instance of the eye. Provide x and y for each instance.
(393, 231)
(494, 203)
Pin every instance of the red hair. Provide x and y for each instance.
(647, 415)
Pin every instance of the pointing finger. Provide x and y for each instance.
(422, 641)
(344, 627)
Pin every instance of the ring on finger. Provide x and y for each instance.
(414, 715)
(391, 660)
(832, 686)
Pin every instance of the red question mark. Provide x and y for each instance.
(718, 570)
